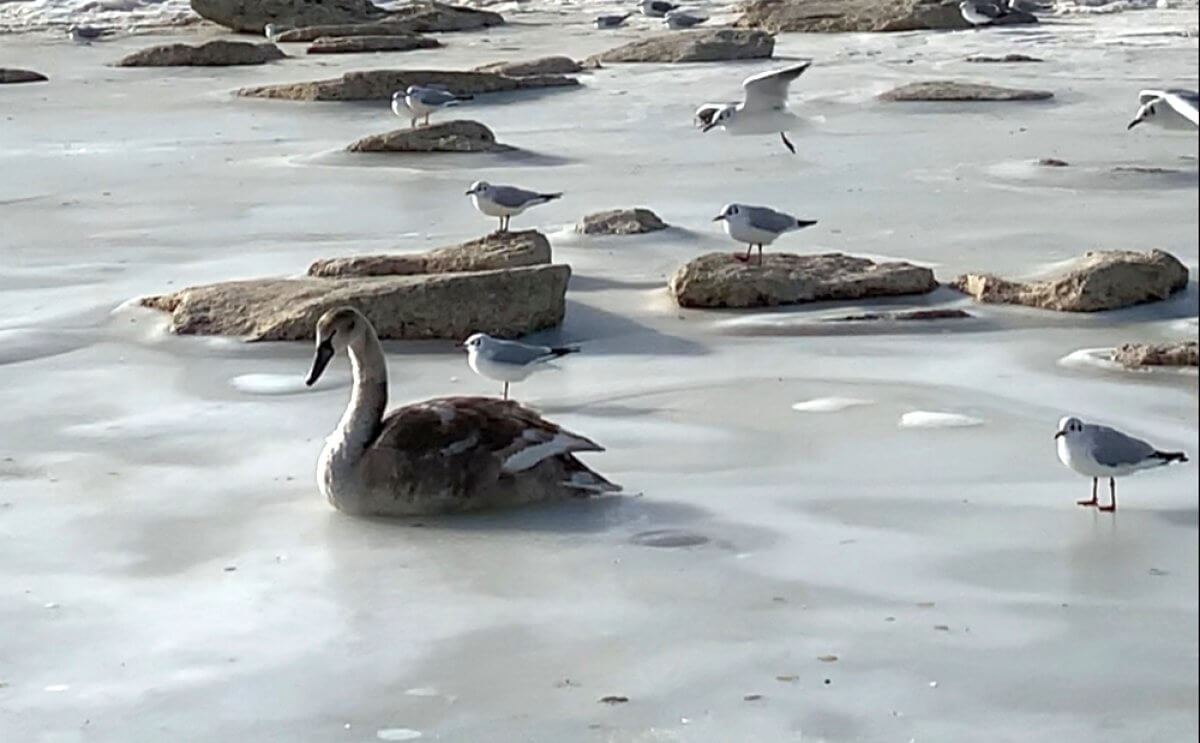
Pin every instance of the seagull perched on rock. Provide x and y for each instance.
(1171, 109)
(505, 202)
(657, 8)
(757, 225)
(1099, 451)
(509, 361)
(424, 100)
(764, 110)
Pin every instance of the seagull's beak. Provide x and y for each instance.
(1134, 123)
(468, 192)
(718, 218)
(1060, 434)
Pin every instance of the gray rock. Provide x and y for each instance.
(706, 45)
(370, 85)
(953, 90)
(1100, 280)
(1139, 355)
(11, 75)
(505, 303)
(357, 44)
(216, 53)
(621, 222)
(719, 280)
(491, 252)
(540, 66)
(856, 16)
(447, 136)
(253, 15)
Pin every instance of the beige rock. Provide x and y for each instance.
(216, 53)
(540, 66)
(380, 84)
(356, 44)
(345, 30)
(253, 15)
(492, 252)
(11, 75)
(505, 303)
(447, 136)
(1134, 355)
(621, 222)
(855, 16)
(706, 45)
(1101, 280)
(719, 280)
(429, 17)
(952, 90)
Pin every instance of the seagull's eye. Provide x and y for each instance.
(733, 210)
(1151, 110)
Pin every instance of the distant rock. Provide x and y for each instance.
(1006, 59)
(621, 222)
(857, 16)
(505, 303)
(1138, 355)
(951, 90)
(719, 280)
(1100, 280)
(216, 53)
(491, 252)
(253, 15)
(707, 45)
(356, 44)
(1053, 162)
(369, 85)
(540, 66)
(11, 75)
(447, 136)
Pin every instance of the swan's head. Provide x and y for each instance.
(1069, 428)
(337, 330)
(480, 188)
(1146, 113)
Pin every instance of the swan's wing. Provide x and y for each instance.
(481, 433)
(1185, 102)
(769, 90)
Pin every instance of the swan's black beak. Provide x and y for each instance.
(321, 360)
(1060, 434)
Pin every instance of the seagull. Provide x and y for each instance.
(679, 19)
(505, 202)
(1099, 451)
(509, 361)
(1171, 109)
(757, 225)
(273, 30)
(422, 101)
(657, 8)
(611, 21)
(762, 112)
(86, 34)
(980, 12)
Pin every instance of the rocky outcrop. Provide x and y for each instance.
(13, 75)
(952, 90)
(217, 53)
(492, 252)
(856, 16)
(620, 222)
(719, 280)
(1138, 355)
(708, 45)
(253, 15)
(358, 44)
(506, 303)
(540, 66)
(1101, 280)
(369, 85)
(448, 136)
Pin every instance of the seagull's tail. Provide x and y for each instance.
(1166, 457)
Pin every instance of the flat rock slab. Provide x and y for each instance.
(432, 17)
(345, 30)
(252, 16)
(857, 16)
(542, 66)
(1137, 355)
(950, 90)
(216, 53)
(1100, 280)
(447, 136)
(370, 85)
(707, 45)
(634, 221)
(361, 44)
(506, 303)
(492, 252)
(720, 280)
(1006, 59)
(11, 75)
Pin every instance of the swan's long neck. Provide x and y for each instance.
(360, 423)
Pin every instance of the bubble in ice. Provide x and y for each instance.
(397, 734)
(934, 419)
(268, 384)
(828, 404)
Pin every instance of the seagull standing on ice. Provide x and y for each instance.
(678, 19)
(764, 110)
(1171, 109)
(611, 21)
(980, 13)
(657, 8)
(1099, 451)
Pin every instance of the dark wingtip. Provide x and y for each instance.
(551, 196)
(805, 222)
(564, 350)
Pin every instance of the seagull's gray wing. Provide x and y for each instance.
(513, 197)
(1112, 448)
(433, 96)
(768, 90)
(1185, 102)
(770, 220)
(517, 354)
(991, 10)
